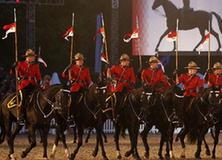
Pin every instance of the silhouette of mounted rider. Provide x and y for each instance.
(185, 13)
(188, 19)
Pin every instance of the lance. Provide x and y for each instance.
(16, 68)
(138, 44)
(177, 54)
(209, 54)
(71, 45)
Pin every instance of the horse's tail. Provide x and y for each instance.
(219, 20)
(192, 135)
(2, 127)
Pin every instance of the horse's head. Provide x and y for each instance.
(213, 96)
(62, 101)
(148, 100)
(98, 94)
(157, 3)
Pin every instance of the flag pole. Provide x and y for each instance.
(105, 42)
(209, 54)
(177, 54)
(16, 68)
(138, 45)
(71, 45)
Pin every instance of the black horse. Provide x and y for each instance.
(197, 119)
(39, 112)
(215, 99)
(62, 104)
(159, 114)
(173, 97)
(125, 111)
(199, 19)
(88, 113)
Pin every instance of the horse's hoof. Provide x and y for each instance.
(182, 156)
(197, 156)
(167, 156)
(136, 157)
(128, 153)
(208, 152)
(105, 158)
(213, 157)
(11, 157)
(94, 153)
(161, 158)
(71, 157)
(119, 157)
(24, 154)
(146, 155)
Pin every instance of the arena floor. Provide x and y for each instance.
(86, 150)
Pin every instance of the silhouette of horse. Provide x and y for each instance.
(39, 112)
(199, 19)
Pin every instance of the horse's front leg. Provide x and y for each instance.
(56, 141)
(171, 142)
(161, 147)
(95, 152)
(45, 140)
(88, 135)
(182, 135)
(32, 141)
(206, 147)
(116, 139)
(9, 139)
(144, 135)
(161, 37)
(79, 144)
(133, 133)
(217, 132)
(100, 138)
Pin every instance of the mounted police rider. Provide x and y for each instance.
(29, 79)
(123, 80)
(193, 84)
(80, 80)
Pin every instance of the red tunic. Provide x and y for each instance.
(214, 80)
(80, 78)
(29, 73)
(191, 84)
(155, 79)
(124, 76)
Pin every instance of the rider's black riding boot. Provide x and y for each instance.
(21, 118)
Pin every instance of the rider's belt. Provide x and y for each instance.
(28, 78)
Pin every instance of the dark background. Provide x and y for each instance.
(52, 22)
